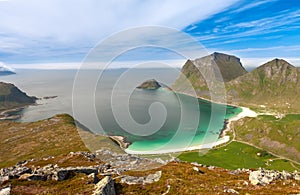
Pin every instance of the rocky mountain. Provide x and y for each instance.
(206, 71)
(275, 84)
(11, 97)
(149, 84)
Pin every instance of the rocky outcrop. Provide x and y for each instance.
(118, 163)
(105, 187)
(131, 180)
(49, 172)
(265, 177)
(149, 84)
(5, 191)
(11, 97)
(121, 141)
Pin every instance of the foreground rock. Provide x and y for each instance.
(105, 187)
(119, 163)
(265, 177)
(149, 84)
(131, 180)
(5, 191)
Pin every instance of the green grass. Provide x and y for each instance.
(279, 136)
(237, 155)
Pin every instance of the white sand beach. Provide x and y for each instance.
(246, 112)
(202, 146)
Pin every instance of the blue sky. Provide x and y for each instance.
(61, 31)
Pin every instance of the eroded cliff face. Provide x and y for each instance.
(11, 96)
(203, 73)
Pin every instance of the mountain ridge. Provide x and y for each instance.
(274, 84)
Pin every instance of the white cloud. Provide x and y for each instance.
(5, 67)
(98, 65)
(91, 20)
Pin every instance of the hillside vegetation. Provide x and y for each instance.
(51, 137)
(275, 85)
(278, 135)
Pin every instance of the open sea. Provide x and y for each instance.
(108, 103)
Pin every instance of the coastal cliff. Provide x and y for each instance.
(12, 97)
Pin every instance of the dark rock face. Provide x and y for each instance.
(149, 84)
(105, 187)
(11, 96)
(207, 71)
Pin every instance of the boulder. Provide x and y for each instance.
(5, 191)
(105, 187)
(65, 173)
(265, 177)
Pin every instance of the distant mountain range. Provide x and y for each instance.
(275, 84)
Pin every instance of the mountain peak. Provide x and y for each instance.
(276, 67)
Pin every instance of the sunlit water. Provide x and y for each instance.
(189, 121)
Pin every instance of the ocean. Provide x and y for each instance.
(108, 103)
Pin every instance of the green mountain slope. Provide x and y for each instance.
(278, 135)
(275, 84)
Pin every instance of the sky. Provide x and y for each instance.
(60, 33)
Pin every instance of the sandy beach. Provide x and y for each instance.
(202, 146)
(246, 112)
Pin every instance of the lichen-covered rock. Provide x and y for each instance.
(105, 187)
(151, 178)
(64, 173)
(265, 177)
(5, 191)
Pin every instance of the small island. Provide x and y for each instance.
(151, 84)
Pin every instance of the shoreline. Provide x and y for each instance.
(190, 148)
(11, 114)
(246, 112)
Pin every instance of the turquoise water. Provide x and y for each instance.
(185, 121)
(172, 137)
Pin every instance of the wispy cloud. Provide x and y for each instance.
(39, 25)
(252, 5)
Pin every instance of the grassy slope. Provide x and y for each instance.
(278, 92)
(280, 136)
(28, 140)
(237, 155)
(52, 137)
